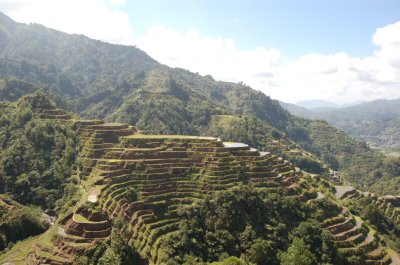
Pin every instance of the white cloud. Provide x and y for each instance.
(118, 2)
(337, 77)
(205, 55)
(89, 17)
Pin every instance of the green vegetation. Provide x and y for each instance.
(170, 199)
(243, 129)
(376, 122)
(387, 185)
(254, 224)
(18, 222)
(381, 219)
(160, 100)
(116, 251)
(298, 253)
(308, 164)
(362, 165)
(37, 156)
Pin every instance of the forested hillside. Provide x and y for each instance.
(38, 157)
(122, 83)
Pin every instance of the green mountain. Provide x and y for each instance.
(297, 110)
(123, 84)
(142, 188)
(376, 122)
(72, 65)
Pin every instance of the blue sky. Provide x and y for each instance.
(295, 27)
(340, 51)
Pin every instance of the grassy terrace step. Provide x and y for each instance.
(221, 172)
(151, 220)
(77, 239)
(149, 141)
(114, 173)
(255, 168)
(377, 254)
(276, 179)
(171, 196)
(289, 181)
(351, 241)
(146, 221)
(215, 184)
(108, 126)
(346, 234)
(95, 146)
(55, 114)
(157, 233)
(349, 194)
(46, 256)
(109, 167)
(150, 155)
(175, 194)
(333, 221)
(146, 187)
(370, 243)
(246, 154)
(161, 190)
(145, 231)
(97, 234)
(267, 174)
(266, 184)
(337, 228)
(386, 260)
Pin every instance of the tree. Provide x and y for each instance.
(297, 254)
(232, 261)
(261, 252)
(110, 257)
(132, 194)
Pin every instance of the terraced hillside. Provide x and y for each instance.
(391, 206)
(372, 239)
(139, 185)
(145, 179)
(170, 172)
(356, 240)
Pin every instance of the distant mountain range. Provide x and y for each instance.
(377, 122)
(316, 104)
